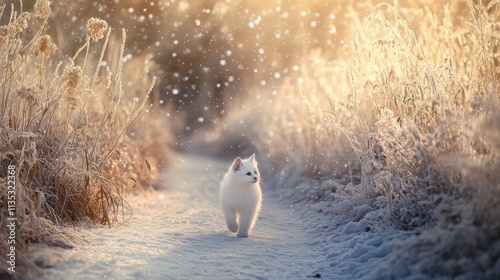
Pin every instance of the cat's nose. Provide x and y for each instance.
(255, 179)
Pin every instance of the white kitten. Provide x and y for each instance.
(240, 195)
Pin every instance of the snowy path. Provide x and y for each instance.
(179, 233)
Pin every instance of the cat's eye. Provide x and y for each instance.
(248, 173)
(255, 172)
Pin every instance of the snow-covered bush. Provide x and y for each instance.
(66, 126)
(397, 119)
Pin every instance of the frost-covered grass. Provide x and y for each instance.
(67, 126)
(403, 121)
(411, 111)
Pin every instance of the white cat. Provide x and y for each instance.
(240, 195)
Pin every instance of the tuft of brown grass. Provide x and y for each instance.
(97, 28)
(46, 46)
(67, 125)
(42, 9)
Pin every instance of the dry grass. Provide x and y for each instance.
(404, 119)
(66, 124)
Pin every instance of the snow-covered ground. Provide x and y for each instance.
(179, 233)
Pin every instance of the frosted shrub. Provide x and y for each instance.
(68, 135)
(395, 120)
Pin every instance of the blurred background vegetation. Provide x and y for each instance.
(209, 53)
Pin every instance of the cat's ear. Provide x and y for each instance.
(252, 157)
(237, 164)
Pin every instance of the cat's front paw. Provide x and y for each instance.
(233, 227)
(242, 234)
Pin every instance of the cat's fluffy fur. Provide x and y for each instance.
(240, 195)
